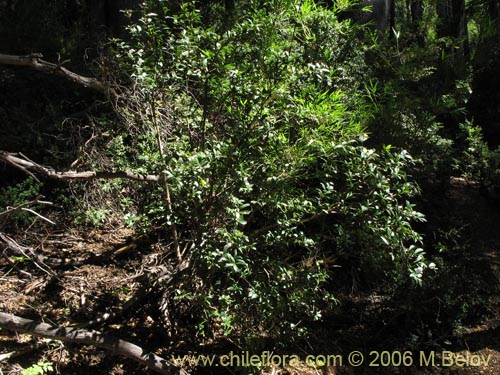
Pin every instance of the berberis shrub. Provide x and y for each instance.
(246, 113)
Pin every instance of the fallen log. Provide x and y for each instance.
(111, 343)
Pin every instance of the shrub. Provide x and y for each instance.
(267, 178)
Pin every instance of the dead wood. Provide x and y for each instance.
(24, 207)
(24, 350)
(7, 243)
(38, 200)
(21, 162)
(35, 61)
(108, 342)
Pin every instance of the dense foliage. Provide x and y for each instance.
(269, 180)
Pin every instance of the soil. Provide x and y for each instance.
(86, 273)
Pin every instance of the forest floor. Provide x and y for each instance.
(81, 275)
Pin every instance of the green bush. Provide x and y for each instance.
(269, 180)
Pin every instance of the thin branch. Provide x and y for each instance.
(108, 342)
(26, 204)
(38, 215)
(8, 243)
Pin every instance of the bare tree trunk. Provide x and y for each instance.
(453, 21)
(494, 11)
(453, 24)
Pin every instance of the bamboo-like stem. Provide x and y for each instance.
(164, 181)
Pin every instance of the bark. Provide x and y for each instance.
(452, 24)
(35, 61)
(30, 167)
(380, 14)
(111, 343)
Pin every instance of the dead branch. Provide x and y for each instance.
(22, 351)
(7, 243)
(36, 201)
(33, 212)
(26, 165)
(108, 342)
(35, 61)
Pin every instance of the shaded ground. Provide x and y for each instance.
(92, 272)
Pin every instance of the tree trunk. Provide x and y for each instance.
(453, 24)
(107, 17)
(415, 11)
(494, 11)
(484, 103)
(453, 21)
